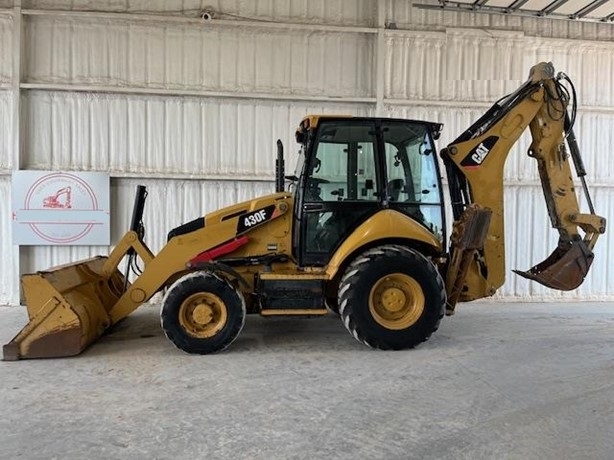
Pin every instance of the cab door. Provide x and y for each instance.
(341, 187)
(413, 184)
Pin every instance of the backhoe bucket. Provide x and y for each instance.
(68, 309)
(565, 269)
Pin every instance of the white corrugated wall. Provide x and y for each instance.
(151, 93)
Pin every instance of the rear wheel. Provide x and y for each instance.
(202, 313)
(391, 298)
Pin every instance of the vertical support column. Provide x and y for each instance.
(15, 85)
(380, 58)
(16, 138)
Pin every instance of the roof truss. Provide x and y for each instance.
(586, 10)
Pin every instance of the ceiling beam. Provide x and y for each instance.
(552, 7)
(515, 9)
(588, 9)
(515, 6)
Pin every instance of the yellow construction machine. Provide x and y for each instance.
(360, 231)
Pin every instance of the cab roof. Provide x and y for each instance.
(310, 122)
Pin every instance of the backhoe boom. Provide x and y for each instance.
(475, 162)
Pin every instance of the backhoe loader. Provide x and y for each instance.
(360, 230)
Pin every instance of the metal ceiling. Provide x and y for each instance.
(578, 10)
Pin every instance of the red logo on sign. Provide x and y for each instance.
(60, 192)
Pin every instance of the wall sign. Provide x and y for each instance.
(60, 208)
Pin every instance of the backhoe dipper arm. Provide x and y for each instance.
(474, 164)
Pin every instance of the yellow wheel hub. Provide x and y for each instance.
(203, 315)
(396, 301)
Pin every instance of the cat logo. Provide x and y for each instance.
(478, 154)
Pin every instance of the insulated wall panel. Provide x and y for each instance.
(590, 65)
(6, 117)
(348, 12)
(455, 66)
(175, 56)
(163, 135)
(412, 61)
(595, 133)
(482, 66)
(8, 266)
(6, 45)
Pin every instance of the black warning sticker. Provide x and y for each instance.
(254, 218)
(478, 154)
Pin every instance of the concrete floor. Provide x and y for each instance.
(497, 381)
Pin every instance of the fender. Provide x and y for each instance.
(384, 225)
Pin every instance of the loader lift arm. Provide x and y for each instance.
(474, 164)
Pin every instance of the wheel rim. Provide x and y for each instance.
(396, 301)
(203, 315)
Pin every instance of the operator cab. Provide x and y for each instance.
(351, 168)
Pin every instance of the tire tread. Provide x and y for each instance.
(354, 273)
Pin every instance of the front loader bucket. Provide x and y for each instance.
(68, 309)
(564, 269)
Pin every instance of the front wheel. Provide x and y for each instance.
(391, 297)
(202, 313)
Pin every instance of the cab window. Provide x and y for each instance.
(343, 168)
(412, 180)
(341, 185)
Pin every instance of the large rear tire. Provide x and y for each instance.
(391, 298)
(202, 313)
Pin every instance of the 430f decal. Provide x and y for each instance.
(251, 219)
